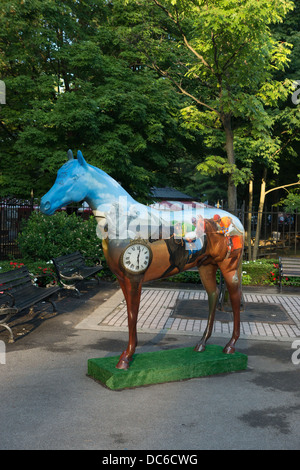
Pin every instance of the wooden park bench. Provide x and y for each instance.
(72, 268)
(18, 292)
(289, 267)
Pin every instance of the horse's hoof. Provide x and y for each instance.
(199, 347)
(229, 349)
(123, 364)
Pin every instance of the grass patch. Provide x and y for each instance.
(165, 366)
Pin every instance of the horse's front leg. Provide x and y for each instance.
(208, 278)
(132, 294)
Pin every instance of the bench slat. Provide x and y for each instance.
(73, 258)
(27, 298)
(14, 274)
(289, 267)
(15, 286)
(291, 273)
(297, 265)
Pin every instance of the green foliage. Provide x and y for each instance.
(215, 164)
(84, 75)
(265, 272)
(291, 202)
(257, 272)
(225, 59)
(254, 273)
(71, 84)
(46, 237)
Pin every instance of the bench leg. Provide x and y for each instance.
(11, 336)
(5, 325)
(53, 305)
(71, 287)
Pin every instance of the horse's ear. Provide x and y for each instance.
(80, 158)
(70, 155)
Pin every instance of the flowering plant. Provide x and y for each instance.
(16, 264)
(274, 275)
(41, 273)
(45, 277)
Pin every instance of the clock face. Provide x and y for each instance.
(136, 258)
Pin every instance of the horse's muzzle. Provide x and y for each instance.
(45, 207)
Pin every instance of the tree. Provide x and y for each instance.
(291, 202)
(285, 130)
(220, 55)
(71, 84)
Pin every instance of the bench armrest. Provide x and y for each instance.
(5, 309)
(73, 277)
(12, 299)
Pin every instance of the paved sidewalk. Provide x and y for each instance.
(49, 402)
(157, 309)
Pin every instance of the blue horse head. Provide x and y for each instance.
(78, 181)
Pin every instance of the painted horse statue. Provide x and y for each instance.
(141, 243)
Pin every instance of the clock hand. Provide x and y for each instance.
(138, 257)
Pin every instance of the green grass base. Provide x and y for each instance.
(165, 366)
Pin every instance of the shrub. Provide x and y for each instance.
(44, 237)
(258, 272)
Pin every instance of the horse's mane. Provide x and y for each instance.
(210, 226)
(216, 242)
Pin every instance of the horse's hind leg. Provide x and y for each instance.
(208, 278)
(132, 293)
(232, 278)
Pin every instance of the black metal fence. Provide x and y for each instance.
(280, 232)
(12, 214)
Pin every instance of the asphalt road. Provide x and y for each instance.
(48, 402)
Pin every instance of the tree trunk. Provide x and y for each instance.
(231, 192)
(259, 214)
(249, 220)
